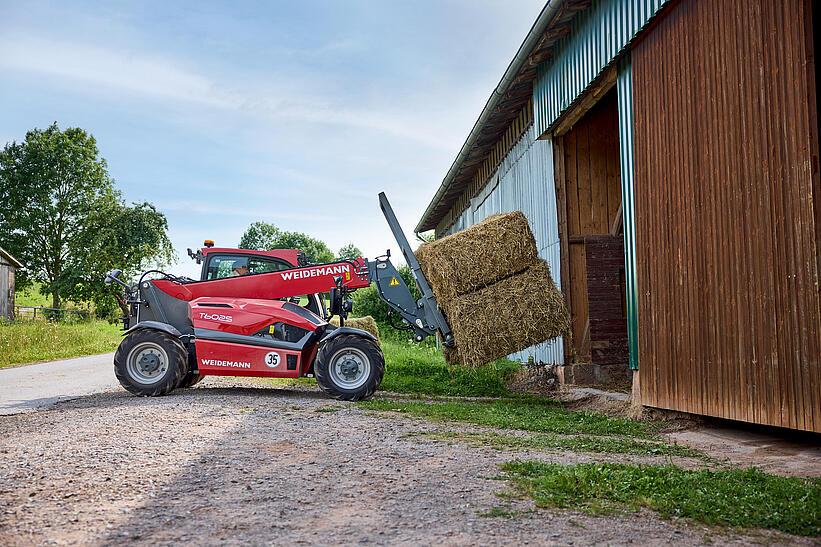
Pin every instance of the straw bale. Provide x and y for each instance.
(508, 316)
(366, 323)
(478, 256)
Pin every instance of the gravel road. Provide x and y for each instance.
(230, 463)
(24, 389)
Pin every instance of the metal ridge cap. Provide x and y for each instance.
(530, 41)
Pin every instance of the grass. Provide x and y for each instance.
(31, 296)
(573, 443)
(32, 341)
(420, 369)
(523, 413)
(739, 497)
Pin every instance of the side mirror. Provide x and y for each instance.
(196, 256)
(112, 276)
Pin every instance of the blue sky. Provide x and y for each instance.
(296, 113)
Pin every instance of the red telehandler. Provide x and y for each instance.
(252, 324)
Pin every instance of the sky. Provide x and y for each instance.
(294, 113)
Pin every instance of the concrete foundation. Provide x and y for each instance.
(588, 374)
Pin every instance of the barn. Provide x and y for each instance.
(8, 266)
(666, 155)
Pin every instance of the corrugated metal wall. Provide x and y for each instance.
(596, 38)
(624, 87)
(726, 192)
(524, 182)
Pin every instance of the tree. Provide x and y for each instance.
(129, 238)
(64, 219)
(266, 236)
(260, 235)
(349, 252)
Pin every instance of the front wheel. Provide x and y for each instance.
(349, 367)
(150, 362)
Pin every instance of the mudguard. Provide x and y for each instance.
(156, 325)
(331, 334)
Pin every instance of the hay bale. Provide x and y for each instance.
(508, 316)
(478, 256)
(366, 323)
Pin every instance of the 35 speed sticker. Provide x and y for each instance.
(272, 359)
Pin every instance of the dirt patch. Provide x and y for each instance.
(775, 451)
(535, 380)
(230, 462)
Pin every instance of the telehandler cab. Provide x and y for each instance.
(244, 318)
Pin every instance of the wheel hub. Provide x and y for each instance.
(147, 363)
(349, 368)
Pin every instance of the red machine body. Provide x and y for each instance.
(291, 256)
(251, 318)
(269, 286)
(250, 308)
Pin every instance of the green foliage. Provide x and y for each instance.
(130, 239)
(63, 218)
(574, 443)
(367, 302)
(349, 252)
(316, 250)
(524, 413)
(260, 235)
(32, 341)
(31, 296)
(738, 497)
(266, 236)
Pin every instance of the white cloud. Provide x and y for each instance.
(94, 68)
(97, 71)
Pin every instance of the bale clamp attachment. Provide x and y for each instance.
(423, 315)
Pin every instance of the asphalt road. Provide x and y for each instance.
(27, 388)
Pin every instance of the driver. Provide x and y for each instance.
(240, 270)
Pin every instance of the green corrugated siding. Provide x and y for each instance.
(624, 86)
(597, 37)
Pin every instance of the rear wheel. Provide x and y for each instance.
(349, 367)
(150, 363)
(192, 377)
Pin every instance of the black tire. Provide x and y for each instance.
(349, 367)
(158, 364)
(191, 379)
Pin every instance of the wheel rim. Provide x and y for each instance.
(147, 363)
(350, 368)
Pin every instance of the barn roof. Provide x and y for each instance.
(503, 106)
(5, 254)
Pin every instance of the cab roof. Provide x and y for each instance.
(288, 255)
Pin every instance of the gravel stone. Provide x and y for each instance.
(230, 462)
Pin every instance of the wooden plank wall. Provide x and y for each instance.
(605, 290)
(6, 281)
(590, 190)
(726, 190)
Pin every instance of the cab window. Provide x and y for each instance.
(222, 266)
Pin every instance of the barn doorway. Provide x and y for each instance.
(590, 218)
